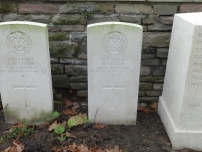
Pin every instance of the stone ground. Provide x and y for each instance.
(148, 135)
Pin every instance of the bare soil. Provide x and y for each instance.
(148, 135)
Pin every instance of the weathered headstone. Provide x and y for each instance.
(25, 77)
(114, 53)
(180, 106)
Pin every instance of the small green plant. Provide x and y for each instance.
(77, 120)
(54, 116)
(60, 130)
(21, 130)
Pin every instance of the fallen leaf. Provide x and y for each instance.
(69, 112)
(99, 126)
(74, 121)
(148, 110)
(115, 149)
(76, 106)
(70, 135)
(7, 149)
(19, 135)
(68, 103)
(82, 115)
(18, 125)
(64, 123)
(53, 125)
(100, 150)
(55, 149)
(140, 108)
(19, 146)
(83, 148)
(72, 147)
(154, 106)
(64, 149)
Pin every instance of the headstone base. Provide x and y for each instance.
(179, 138)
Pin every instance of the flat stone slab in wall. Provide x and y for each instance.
(114, 53)
(180, 106)
(25, 77)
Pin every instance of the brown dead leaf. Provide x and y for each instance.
(115, 149)
(72, 147)
(76, 106)
(140, 108)
(18, 125)
(94, 149)
(100, 150)
(53, 125)
(149, 109)
(55, 149)
(7, 149)
(19, 146)
(19, 135)
(154, 106)
(68, 103)
(99, 126)
(83, 148)
(82, 115)
(64, 123)
(70, 135)
(69, 112)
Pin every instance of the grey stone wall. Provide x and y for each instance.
(67, 22)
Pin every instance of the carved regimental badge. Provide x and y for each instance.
(114, 43)
(18, 43)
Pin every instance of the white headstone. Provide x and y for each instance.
(180, 106)
(25, 77)
(114, 53)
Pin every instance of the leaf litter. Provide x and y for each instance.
(148, 135)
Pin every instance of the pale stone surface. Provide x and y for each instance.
(113, 72)
(15, 17)
(180, 106)
(131, 18)
(166, 19)
(149, 19)
(40, 18)
(190, 8)
(156, 39)
(159, 27)
(165, 9)
(25, 77)
(73, 28)
(74, 8)
(133, 9)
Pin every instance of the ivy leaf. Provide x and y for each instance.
(74, 121)
(59, 129)
(61, 138)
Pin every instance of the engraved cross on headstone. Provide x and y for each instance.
(24, 87)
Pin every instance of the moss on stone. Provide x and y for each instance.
(68, 20)
(38, 116)
(63, 49)
(7, 7)
(58, 36)
(152, 79)
(145, 86)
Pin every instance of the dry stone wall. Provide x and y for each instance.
(67, 22)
